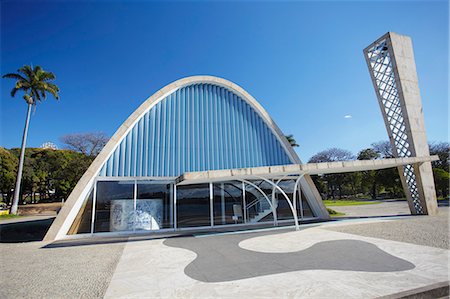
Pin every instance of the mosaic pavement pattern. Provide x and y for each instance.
(220, 258)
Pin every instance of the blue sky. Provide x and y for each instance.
(302, 61)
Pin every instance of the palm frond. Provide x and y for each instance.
(53, 86)
(13, 91)
(46, 76)
(27, 71)
(54, 92)
(25, 85)
(35, 95)
(14, 76)
(37, 69)
(35, 82)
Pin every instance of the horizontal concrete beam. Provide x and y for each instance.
(298, 169)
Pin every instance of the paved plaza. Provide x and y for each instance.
(385, 208)
(357, 258)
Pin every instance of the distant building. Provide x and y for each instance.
(49, 145)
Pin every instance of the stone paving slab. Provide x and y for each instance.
(386, 208)
(30, 270)
(153, 269)
(421, 230)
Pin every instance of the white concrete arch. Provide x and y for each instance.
(74, 202)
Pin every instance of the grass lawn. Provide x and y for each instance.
(8, 216)
(331, 203)
(337, 215)
(334, 213)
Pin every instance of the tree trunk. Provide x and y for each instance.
(15, 203)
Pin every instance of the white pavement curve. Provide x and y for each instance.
(153, 270)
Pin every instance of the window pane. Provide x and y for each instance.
(284, 211)
(114, 210)
(193, 205)
(228, 206)
(307, 212)
(258, 207)
(154, 205)
(82, 223)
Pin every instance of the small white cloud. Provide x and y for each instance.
(348, 116)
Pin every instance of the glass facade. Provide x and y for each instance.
(284, 211)
(193, 206)
(154, 205)
(258, 197)
(151, 205)
(114, 208)
(228, 203)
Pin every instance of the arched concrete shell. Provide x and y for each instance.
(198, 127)
(63, 221)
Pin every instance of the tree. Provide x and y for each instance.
(66, 177)
(442, 150)
(384, 148)
(51, 173)
(368, 154)
(89, 144)
(369, 176)
(290, 138)
(441, 167)
(334, 182)
(8, 170)
(35, 83)
(332, 155)
(441, 179)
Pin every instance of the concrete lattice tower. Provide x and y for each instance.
(393, 71)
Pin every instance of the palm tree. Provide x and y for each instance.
(34, 83)
(291, 140)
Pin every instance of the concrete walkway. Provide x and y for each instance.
(314, 262)
(355, 258)
(385, 208)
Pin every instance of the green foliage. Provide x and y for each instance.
(51, 173)
(368, 154)
(34, 82)
(332, 185)
(376, 181)
(8, 172)
(334, 213)
(9, 216)
(358, 184)
(347, 202)
(441, 180)
(441, 167)
(442, 150)
(290, 138)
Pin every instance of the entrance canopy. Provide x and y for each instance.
(280, 171)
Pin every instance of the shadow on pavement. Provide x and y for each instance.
(220, 258)
(24, 231)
